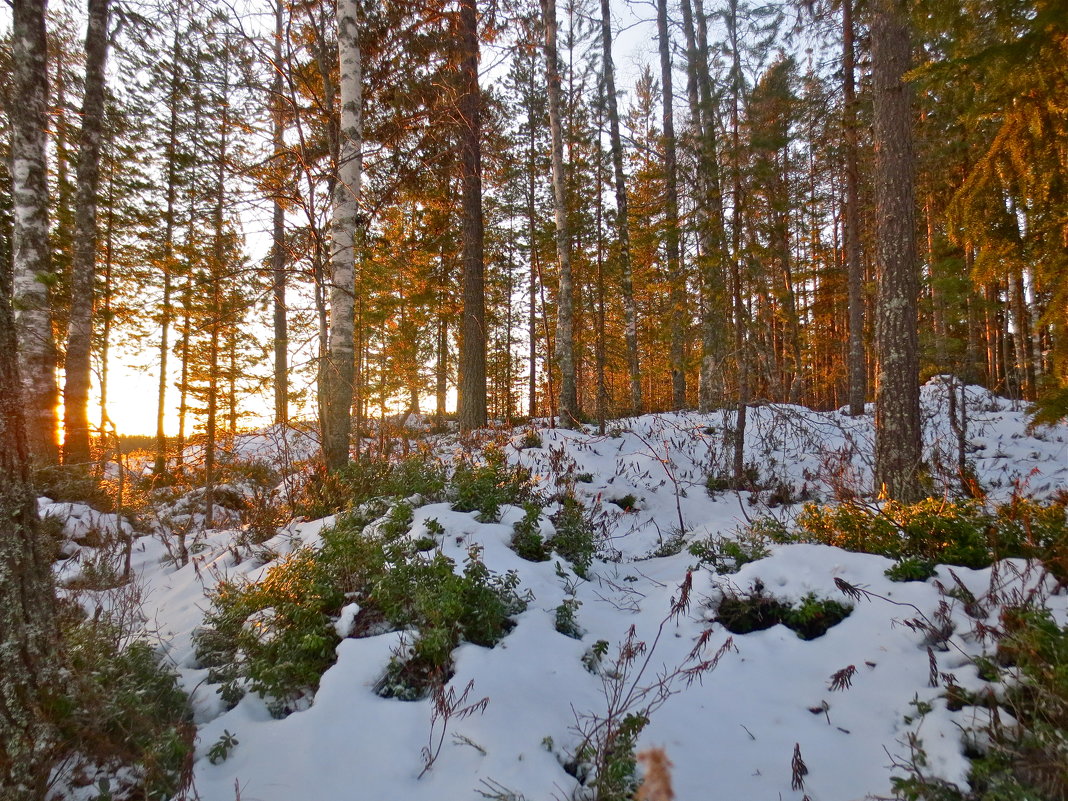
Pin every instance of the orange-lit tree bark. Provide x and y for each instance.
(83, 265)
(278, 234)
(897, 415)
(630, 315)
(858, 371)
(671, 220)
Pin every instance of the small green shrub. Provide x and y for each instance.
(73, 484)
(627, 503)
(527, 541)
(485, 487)
(575, 537)
(368, 478)
(566, 622)
(809, 619)
(725, 555)
(813, 616)
(277, 636)
(446, 607)
(954, 532)
(122, 708)
(531, 439)
(755, 612)
(617, 779)
(222, 747)
(910, 568)
(1026, 758)
(715, 483)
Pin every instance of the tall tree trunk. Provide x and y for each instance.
(169, 216)
(105, 311)
(897, 415)
(714, 256)
(565, 347)
(741, 311)
(671, 218)
(441, 366)
(83, 265)
(472, 395)
(858, 371)
(278, 236)
(630, 312)
(28, 635)
(337, 425)
(215, 322)
(29, 231)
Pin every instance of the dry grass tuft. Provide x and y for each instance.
(656, 785)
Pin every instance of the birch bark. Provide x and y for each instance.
(32, 264)
(337, 422)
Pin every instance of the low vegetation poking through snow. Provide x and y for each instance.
(556, 614)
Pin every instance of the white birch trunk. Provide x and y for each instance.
(340, 367)
(32, 265)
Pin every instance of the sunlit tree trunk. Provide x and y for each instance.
(30, 250)
(858, 372)
(565, 352)
(671, 218)
(897, 417)
(471, 411)
(169, 216)
(83, 265)
(630, 313)
(337, 423)
(278, 237)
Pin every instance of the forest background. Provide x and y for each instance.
(716, 250)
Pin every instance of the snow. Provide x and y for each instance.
(736, 729)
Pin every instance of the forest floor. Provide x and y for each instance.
(628, 652)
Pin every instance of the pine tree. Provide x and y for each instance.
(77, 367)
(472, 395)
(897, 411)
(565, 336)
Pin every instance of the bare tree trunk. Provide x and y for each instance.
(171, 156)
(741, 312)
(105, 328)
(714, 255)
(630, 312)
(671, 215)
(83, 266)
(565, 352)
(897, 415)
(858, 373)
(337, 425)
(472, 394)
(278, 237)
(28, 635)
(29, 230)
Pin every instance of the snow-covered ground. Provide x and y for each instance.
(731, 735)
